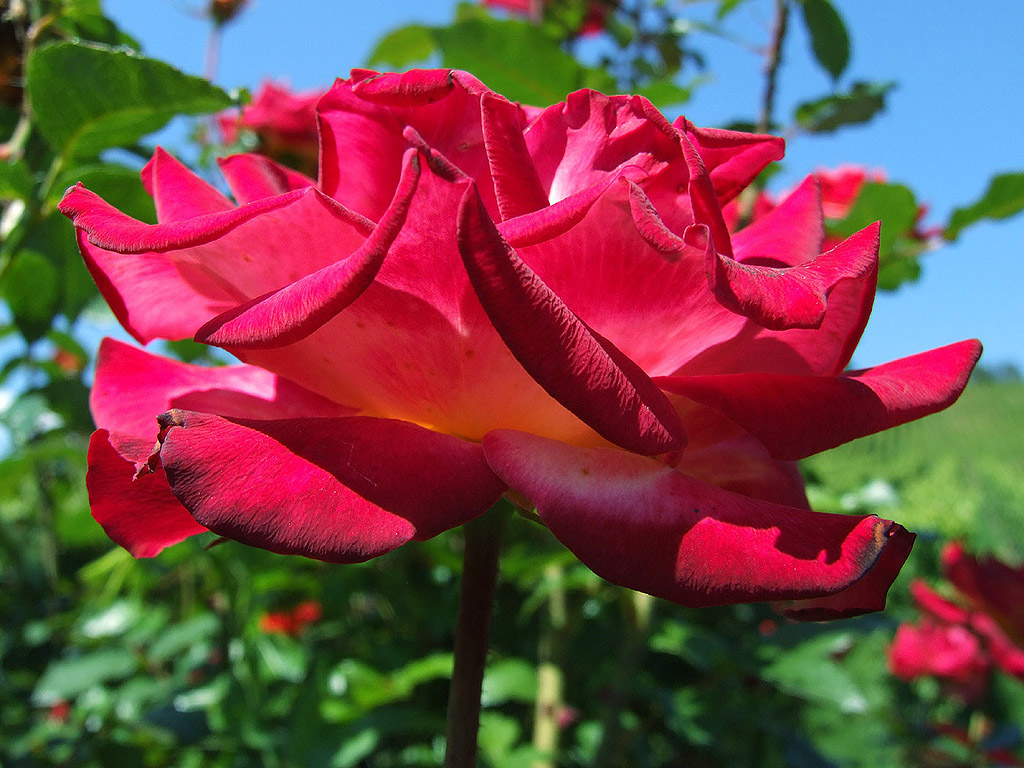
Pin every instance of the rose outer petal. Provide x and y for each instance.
(643, 525)
(139, 513)
(254, 177)
(577, 367)
(796, 416)
(291, 313)
(340, 490)
(133, 387)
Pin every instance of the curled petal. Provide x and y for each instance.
(516, 185)
(340, 490)
(576, 366)
(646, 526)
(167, 280)
(732, 158)
(138, 512)
(796, 416)
(792, 297)
(290, 314)
(254, 177)
(788, 236)
(177, 192)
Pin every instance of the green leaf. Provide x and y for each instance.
(117, 184)
(15, 181)
(178, 638)
(861, 103)
(892, 204)
(31, 288)
(542, 72)
(896, 207)
(137, 96)
(1003, 198)
(829, 38)
(509, 680)
(725, 7)
(67, 678)
(412, 44)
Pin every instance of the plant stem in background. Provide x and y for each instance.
(549, 673)
(772, 62)
(472, 631)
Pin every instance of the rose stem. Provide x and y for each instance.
(772, 62)
(472, 628)
(549, 673)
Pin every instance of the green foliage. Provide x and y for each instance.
(829, 39)
(138, 96)
(895, 206)
(858, 105)
(1003, 198)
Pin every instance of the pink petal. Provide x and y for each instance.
(254, 177)
(789, 235)
(341, 490)
(577, 143)
(936, 606)
(733, 158)
(577, 367)
(141, 514)
(166, 280)
(619, 268)
(417, 346)
(516, 185)
(133, 387)
(742, 465)
(796, 416)
(992, 587)
(866, 594)
(291, 313)
(643, 525)
(792, 297)
(362, 121)
(178, 193)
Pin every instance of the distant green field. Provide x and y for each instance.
(959, 473)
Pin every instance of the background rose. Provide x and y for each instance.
(284, 123)
(961, 640)
(477, 297)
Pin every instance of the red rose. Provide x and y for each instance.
(477, 298)
(284, 123)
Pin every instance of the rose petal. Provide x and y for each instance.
(290, 314)
(617, 266)
(796, 416)
(577, 143)
(177, 192)
(868, 593)
(790, 235)
(643, 525)
(141, 514)
(166, 280)
(732, 158)
(341, 490)
(577, 367)
(992, 586)
(254, 177)
(792, 297)
(133, 387)
(516, 186)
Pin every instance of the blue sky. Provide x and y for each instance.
(954, 121)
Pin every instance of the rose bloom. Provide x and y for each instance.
(284, 122)
(840, 188)
(961, 640)
(476, 299)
